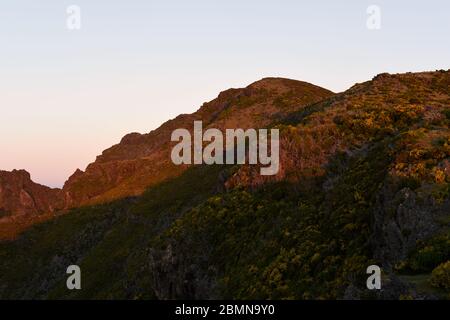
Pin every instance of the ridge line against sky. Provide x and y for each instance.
(66, 95)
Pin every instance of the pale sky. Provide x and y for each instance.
(67, 95)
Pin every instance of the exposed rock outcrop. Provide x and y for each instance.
(141, 160)
(19, 195)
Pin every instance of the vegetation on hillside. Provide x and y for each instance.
(364, 179)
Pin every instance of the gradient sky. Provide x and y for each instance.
(67, 95)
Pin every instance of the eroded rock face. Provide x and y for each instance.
(142, 160)
(175, 276)
(401, 221)
(19, 195)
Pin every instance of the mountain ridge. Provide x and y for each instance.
(364, 180)
(136, 155)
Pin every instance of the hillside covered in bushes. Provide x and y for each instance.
(364, 179)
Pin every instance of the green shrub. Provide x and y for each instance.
(440, 277)
(430, 254)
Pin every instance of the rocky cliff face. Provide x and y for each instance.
(20, 196)
(142, 160)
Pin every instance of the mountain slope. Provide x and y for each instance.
(364, 180)
(139, 161)
(142, 160)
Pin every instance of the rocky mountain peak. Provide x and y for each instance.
(19, 195)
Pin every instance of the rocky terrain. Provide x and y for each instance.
(21, 196)
(364, 179)
(24, 203)
(141, 160)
